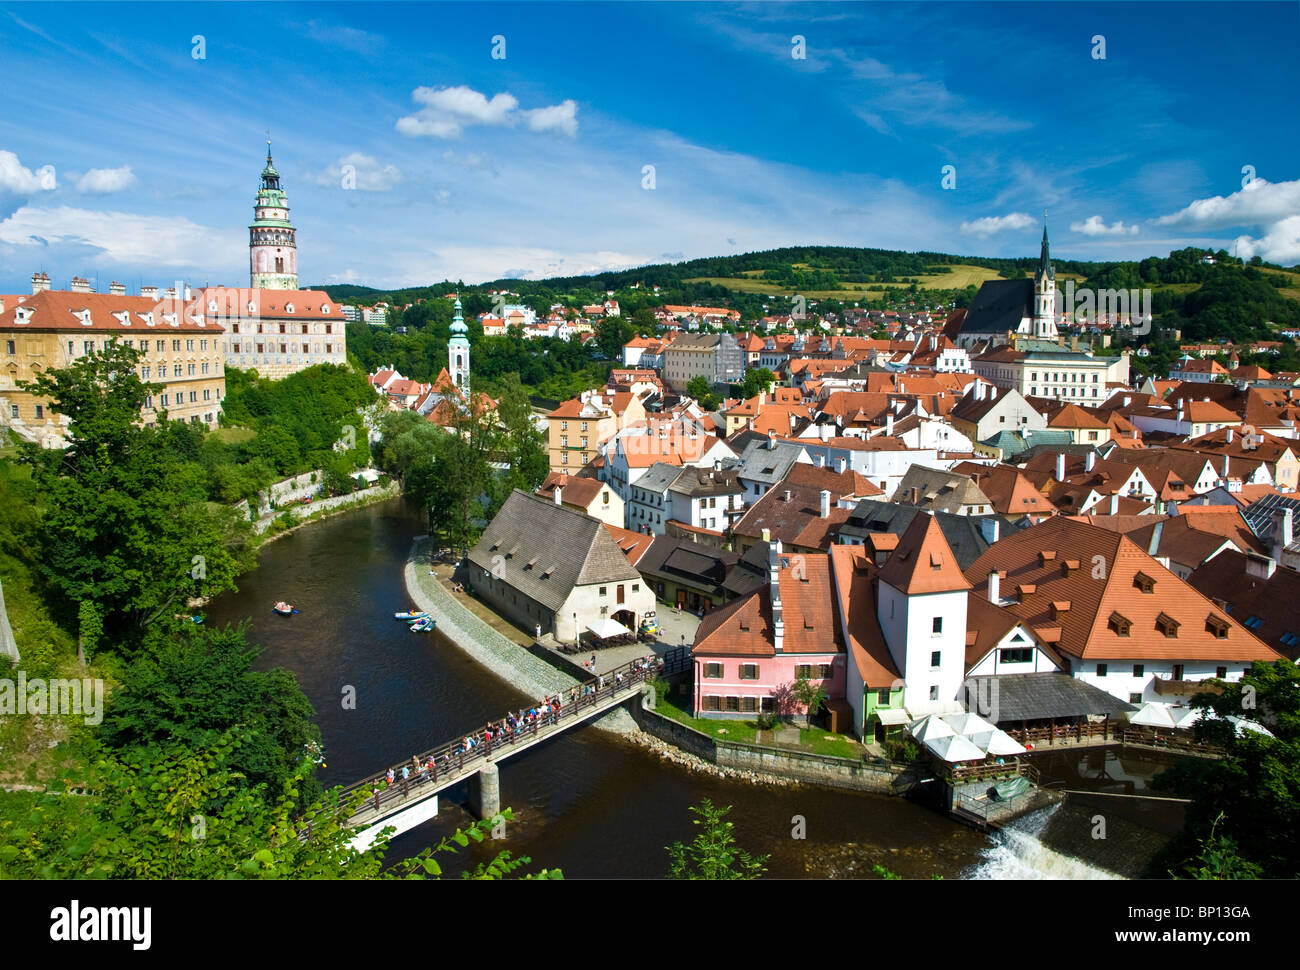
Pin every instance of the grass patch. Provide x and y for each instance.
(235, 436)
(813, 740)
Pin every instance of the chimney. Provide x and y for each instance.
(995, 587)
(979, 391)
(1060, 466)
(1114, 503)
(774, 585)
(1283, 532)
(1180, 412)
(771, 440)
(1259, 566)
(787, 495)
(558, 490)
(117, 289)
(889, 425)
(825, 431)
(149, 292)
(840, 465)
(1228, 436)
(1090, 461)
(826, 505)
(1127, 400)
(819, 460)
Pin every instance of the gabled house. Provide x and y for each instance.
(540, 563)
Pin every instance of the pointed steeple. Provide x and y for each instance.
(1045, 270)
(458, 350)
(458, 327)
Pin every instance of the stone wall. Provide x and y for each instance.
(816, 769)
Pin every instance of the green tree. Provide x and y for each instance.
(714, 853)
(811, 695)
(125, 525)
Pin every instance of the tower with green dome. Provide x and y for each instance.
(458, 352)
(272, 246)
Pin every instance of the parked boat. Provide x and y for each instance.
(283, 608)
(422, 624)
(410, 615)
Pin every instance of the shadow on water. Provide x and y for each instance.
(590, 803)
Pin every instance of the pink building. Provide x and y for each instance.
(749, 653)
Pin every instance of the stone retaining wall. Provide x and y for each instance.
(752, 759)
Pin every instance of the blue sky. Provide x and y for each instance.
(123, 156)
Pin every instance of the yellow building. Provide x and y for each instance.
(578, 428)
(52, 328)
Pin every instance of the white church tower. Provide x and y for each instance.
(921, 600)
(1044, 322)
(458, 352)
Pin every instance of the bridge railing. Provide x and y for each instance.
(451, 759)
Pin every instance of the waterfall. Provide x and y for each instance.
(1018, 852)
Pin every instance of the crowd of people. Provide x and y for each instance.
(530, 719)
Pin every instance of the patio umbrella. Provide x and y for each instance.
(997, 742)
(1154, 714)
(928, 728)
(967, 723)
(606, 627)
(1243, 725)
(955, 748)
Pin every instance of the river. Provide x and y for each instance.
(588, 802)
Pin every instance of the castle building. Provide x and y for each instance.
(274, 327)
(272, 246)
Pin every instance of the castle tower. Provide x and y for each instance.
(272, 248)
(1044, 322)
(458, 351)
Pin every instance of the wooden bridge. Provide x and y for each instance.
(408, 801)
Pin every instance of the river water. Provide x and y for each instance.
(588, 802)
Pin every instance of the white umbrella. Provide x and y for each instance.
(1243, 725)
(955, 748)
(1154, 714)
(929, 728)
(967, 723)
(997, 742)
(608, 627)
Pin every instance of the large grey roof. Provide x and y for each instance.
(547, 549)
(1259, 514)
(962, 532)
(658, 477)
(761, 463)
(1008, 698)
(999, 306)
(679, 559)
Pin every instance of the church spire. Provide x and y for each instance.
(458, 350)
(1045, 270)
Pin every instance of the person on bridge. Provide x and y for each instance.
(391, 776)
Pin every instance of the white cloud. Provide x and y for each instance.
(347, 37)
(562, 117)
(993, 224)
(1281, 244)
(1271, 207)
(1095, 226)
(359, 171)
(124, 238)
(16, 179)
(446, 112)
(101, 181)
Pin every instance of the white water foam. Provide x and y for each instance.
(1017, 853)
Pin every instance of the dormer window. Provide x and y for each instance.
(1045, 556)
(170, 319)
(84, 317)
(124, 318)
(1144, 582)
(1217, 625)
(288, 308)
(1068, 565)
(1119, 624)
(325, 308)
(212, 306)
(147, 318)
(1167, 625)
(1060, 608)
